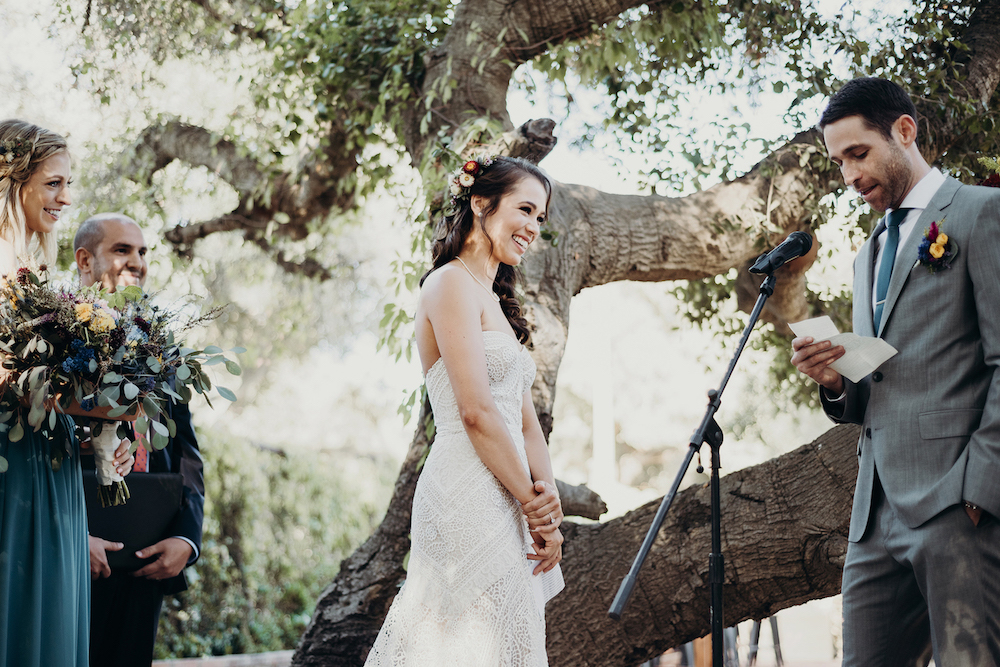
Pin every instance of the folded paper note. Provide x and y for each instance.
(862, 354)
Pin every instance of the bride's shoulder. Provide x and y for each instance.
(446, 280)
(8, 258)
(447, 287)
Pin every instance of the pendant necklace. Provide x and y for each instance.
(496, 297)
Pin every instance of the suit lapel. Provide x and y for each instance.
(906, 255)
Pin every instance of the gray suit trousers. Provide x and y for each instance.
(896, 575)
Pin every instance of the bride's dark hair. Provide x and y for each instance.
(492, 183)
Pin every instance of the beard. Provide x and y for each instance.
(896, 179)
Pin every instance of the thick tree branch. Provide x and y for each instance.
(284, 204)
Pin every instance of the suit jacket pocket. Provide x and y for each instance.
(948, 423)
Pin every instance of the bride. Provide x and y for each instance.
(485, 525)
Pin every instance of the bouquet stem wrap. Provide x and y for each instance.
(111, 489)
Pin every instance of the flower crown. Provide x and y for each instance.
(10, 150)
(13, 149)
(463, 179)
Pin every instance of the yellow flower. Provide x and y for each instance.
(101, 321)
(84, 311)
(942, 239)
(937, 250)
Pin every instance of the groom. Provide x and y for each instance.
(125, 606)
(924, 535)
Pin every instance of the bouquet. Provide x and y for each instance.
(113, 357)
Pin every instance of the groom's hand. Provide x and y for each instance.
(814, 359)
(975, 513)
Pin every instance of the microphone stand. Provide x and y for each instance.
(708, 432)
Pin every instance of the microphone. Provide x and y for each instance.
(796, 245)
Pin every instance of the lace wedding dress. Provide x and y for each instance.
(469, 596)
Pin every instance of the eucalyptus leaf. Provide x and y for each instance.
(171, 427)
(212, 349)
(92, 365)
(225, 393)
(150, 407)
(118, 412)
(16, 432)
(52, 418)
(141, 425)
(169, 392)
(159, 441)
(130, 390)
(35, 416)
(159, 428)
(183, 372)
(211, 361)
(233, 367)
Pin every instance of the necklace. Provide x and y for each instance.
(496, 297)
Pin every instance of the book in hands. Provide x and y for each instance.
(862, 354)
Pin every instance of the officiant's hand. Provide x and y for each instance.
(548, 550)
(99, 549)
(173, 552)
(814, 359)
(544, 511)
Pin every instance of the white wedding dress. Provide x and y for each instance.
(469, 596)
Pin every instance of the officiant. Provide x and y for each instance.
(110, 250)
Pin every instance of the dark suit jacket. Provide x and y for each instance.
(181, 455)
(931, 414)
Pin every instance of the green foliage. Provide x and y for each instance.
(344, 78)
(277, 526)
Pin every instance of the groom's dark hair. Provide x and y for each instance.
(879, 103)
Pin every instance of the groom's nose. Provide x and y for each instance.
(850, 173)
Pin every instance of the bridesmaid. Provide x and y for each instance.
(44, 561)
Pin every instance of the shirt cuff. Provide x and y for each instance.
(830, 399)
(194, 549)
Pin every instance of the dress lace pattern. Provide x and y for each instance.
(469, 596)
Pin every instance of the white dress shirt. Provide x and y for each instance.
(917, 199)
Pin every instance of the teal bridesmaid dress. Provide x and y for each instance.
(44, 558)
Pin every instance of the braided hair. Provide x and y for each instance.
(492, 182)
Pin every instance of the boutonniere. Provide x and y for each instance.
(936, 250)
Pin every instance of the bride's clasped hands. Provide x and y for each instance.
(544, 514)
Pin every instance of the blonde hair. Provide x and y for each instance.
(23, 147)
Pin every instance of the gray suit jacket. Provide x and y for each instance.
(931, 414)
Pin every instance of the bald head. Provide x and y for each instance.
(109, 249)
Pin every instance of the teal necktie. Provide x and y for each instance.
(888, 259)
